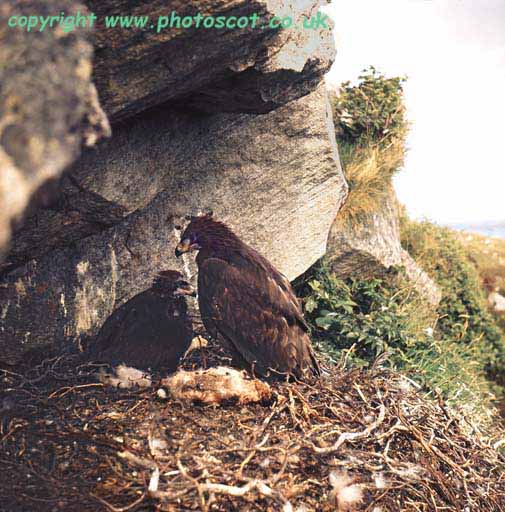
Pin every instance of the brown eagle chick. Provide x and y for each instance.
(243, 298)
(150, 331)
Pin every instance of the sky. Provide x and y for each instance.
(453, 53)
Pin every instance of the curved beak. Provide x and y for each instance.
(182, 247)
(185, 246)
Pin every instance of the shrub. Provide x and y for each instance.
(488, 256)
(371, 128)
(364, 315)
(371, 111)
(362, 320)
(463, 315)
(457, 350)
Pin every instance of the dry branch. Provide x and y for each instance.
(128, 450)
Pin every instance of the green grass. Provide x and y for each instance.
(463, 314)
(362, 320)
(456, 351)
(488, 256)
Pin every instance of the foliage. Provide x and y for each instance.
(488, 256)
(371, 128)
(463, 314)
(362, 320)
(457, 350)
(361, 314)
(371, 111)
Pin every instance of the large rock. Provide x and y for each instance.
(247, 69)
(370, 246)
(48, 106)
(274, 178)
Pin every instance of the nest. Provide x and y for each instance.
(354, 440)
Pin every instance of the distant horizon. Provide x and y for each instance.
(491, 228)
(484, 223)
(496, 229)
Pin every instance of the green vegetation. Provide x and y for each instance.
(372, 110)
(371, 128)
(458, 350)
(463, 314)
(362, 320)
(488, 256)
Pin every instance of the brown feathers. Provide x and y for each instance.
(250, 304)
(151, 330)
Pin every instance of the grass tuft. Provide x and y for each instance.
(371, 129)
(368, 170)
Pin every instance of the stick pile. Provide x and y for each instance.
(354, 441)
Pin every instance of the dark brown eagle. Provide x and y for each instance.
(248, 302)
(151, 330)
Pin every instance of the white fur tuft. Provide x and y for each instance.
(345, 494)
(125, 377)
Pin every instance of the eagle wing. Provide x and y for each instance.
(143, 333)
(109, 344)
(258, 316)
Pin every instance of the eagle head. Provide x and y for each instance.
(172, 282)
(190, 241)
(204, 232)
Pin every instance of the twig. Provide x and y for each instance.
(352, 436)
